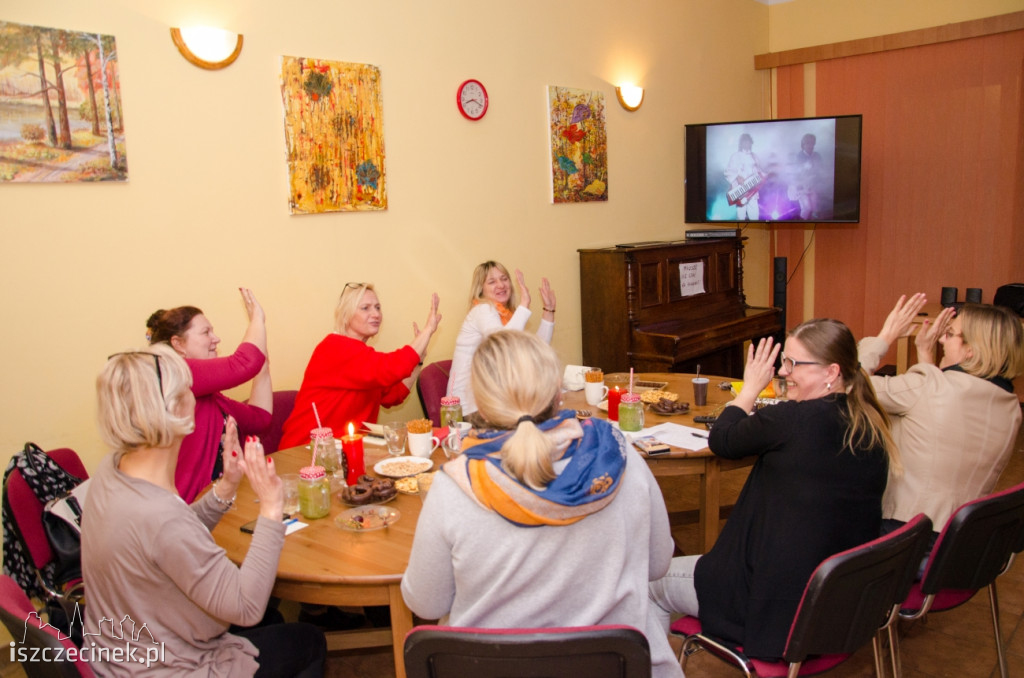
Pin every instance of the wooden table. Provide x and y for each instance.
(681, 462)
(326, 565)
(323, 564)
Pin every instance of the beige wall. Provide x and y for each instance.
(805, 23)
(205, 209)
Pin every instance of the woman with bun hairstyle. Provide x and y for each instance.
(543, 520)
(823, 457)
(494, 304)
(956, 421)
(186, 330)
(346, 378)
(150, 557)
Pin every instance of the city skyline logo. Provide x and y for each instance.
(125, 630)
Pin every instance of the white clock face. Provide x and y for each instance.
(473, 100)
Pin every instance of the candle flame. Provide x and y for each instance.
(351, 428)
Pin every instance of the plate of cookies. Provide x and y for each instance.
(368, 490)
(367, 518)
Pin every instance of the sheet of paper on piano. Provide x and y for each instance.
(691, 278)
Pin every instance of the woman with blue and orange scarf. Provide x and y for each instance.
(545, 521)
(494, 304)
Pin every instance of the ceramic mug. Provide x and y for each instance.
(422, 444)
(595, 392)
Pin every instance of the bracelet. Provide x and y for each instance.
(550, 310)
(226, 503)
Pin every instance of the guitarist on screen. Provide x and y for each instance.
(745, 178)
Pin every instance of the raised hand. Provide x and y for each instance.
(929, 335)
(422, 338)
(901, 317)
(262, 475)
(252, 307)
(547, 295)
(232, 455)
(758, 372)
(524, 291)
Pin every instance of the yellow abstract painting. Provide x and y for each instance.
(579, 145)
(334, 132)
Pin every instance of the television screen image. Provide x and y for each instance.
(805, 169)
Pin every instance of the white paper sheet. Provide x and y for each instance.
(677, 435)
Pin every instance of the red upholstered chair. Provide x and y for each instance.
(27, 513)
(284, 403)
(850, 598)
(455, 652)
(431, 385)
(976, 545)
(29, 632)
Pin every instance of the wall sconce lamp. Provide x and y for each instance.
(209, 48)
(630, 96)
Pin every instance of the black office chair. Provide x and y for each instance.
(851, 597)
(977, 545)
(457, 652)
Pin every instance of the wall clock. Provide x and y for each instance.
(471, 99)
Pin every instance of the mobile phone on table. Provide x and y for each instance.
(651, 446)
(251, 525)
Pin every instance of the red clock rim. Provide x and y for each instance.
(458, 100)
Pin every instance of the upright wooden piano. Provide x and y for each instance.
(667, 307)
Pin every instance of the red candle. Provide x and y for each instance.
(614, 396)
(352, 446)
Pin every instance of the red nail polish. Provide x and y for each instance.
(269, 460)
(233, 453)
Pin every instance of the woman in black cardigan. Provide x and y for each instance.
(815, 490)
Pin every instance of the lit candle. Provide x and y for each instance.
(614, 396)
(352, 446)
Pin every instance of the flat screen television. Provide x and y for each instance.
(799, 169)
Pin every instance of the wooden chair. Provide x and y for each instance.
(976, 545)
(851, 597)
(456, 652)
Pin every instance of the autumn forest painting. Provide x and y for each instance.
(335, 136)
(579, 145)
(60, 106)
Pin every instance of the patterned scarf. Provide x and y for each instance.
(591, 458)
(503, 311)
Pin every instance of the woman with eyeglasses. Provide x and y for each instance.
(186, 330)
(956, 421)
(148, 558)
(494, 304)
(823, 457)
(348, 380)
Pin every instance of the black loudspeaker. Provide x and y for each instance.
(948, 297)
(780, 277)
(973, 295)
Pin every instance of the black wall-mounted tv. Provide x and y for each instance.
(799, 169)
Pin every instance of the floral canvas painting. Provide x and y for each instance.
(579, 145)
(334, 134)
(60, 106)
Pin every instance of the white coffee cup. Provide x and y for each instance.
(422, 444)
(595, 392)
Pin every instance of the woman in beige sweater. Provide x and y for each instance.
(161, 593)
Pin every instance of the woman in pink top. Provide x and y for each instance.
(186, 330)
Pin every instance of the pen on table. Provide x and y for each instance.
(290, 521)
(699, 435)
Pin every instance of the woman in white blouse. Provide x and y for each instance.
(494, 304)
